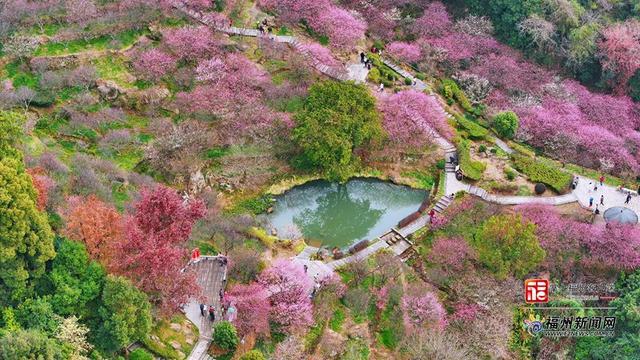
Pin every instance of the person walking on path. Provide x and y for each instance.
(381, 89)
(628, 198)
(595, 187)
(590, 188)
(305, 268)
(601, 180)
(362, 57)
(602, 200)
(590, 201)
(212, 313)
(202, 312)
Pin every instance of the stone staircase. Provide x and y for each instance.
(442, 203)
(480, 192)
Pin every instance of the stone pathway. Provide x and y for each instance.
(211, 277)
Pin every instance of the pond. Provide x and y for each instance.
(332, 214)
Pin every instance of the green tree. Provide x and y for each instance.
(125, 315)
(140, 354)
(37, 314)
(26, 240)
(29, 344)
(252, 355)
(225, 336)
(507, 244)
(73, 281)
(506, 124)
(338, 119)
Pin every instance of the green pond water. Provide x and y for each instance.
(340, 215)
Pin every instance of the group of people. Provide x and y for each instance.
(365, 61)
(211, 310)
(593, 186)
(264, 27)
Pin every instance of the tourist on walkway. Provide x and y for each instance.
(601, 199)
(362, 57)
(212, 313)
(590, 188)
(596, 211)
(590, 201)
(202, 310)
(305, 268)
(381, 89)
(221, 294)
(595, 187)
(261, 29)
(368, 64)
(628, 198)
(601, 180)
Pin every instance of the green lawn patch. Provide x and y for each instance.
(103, 42)
(313, 336)
(337, 320)
(538, 171)
(113, 68)
(474, 130)
(472, 169)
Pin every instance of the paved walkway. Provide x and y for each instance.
(612, 197)
(211, 277)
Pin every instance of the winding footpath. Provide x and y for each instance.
(318, 269)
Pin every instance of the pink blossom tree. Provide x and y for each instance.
(620, 49)
(615, 247)
(190, 43)
(422, 309)
(321, 54)
(404, 51)
(434, 22)
(342, 28)
(154, 64)
(153, 253)
(288, 287)
(252, 303)
(465, 313)
(413, 119)
(450, 253)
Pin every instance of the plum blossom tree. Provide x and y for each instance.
(450, 253)
(412, 119)
(153, 253)
(252, 303)
(43, 184)
(154, 64)
(404, 51)
(288, 287)
(434, 22)
(97, 225)
(340, 26)
(620, 49)
(321, 53)
(423, 309)
(190, 43)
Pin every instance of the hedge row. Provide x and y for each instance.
(474, 130)
(537, 171)
(451, 91)
(472, 169)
